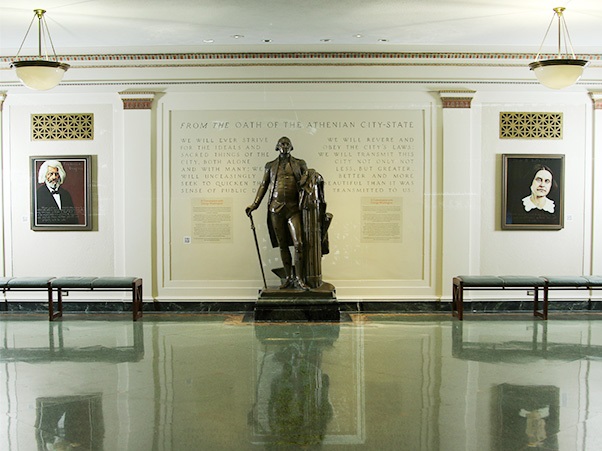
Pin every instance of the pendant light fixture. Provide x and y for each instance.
(565, 69)
(42, 73)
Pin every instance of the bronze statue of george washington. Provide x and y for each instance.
(296, 216)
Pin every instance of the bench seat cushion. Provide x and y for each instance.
(73, 282)
(29, 282)
(594, 281)
(523, 281)
(566, 281)
(481, 281)
(113, 282)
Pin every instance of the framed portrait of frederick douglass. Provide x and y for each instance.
(61, 197)
(532, 192)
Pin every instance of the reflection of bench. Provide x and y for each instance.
(66, 284)
(463, 283)
(482, 345)
(58, 350)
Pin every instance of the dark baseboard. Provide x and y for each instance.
(345, 306)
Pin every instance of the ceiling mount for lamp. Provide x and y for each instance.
(42, 73)
(566, 69)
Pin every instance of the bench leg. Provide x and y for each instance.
(51, 314)
(545, 302)
(458, 301)
(536, 311)
(544, 313)
(137, 300)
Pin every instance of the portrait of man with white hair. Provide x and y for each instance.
(53, 203)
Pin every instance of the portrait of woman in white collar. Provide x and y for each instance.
(532, 192)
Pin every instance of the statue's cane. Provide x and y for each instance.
(265, 285)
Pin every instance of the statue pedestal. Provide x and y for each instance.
(317, 304)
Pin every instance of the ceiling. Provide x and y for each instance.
(174, 26)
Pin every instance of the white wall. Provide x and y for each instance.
(565, 251)
(44, 253)
(129, 231)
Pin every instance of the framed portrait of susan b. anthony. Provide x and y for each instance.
(532, 192)
(61, 193)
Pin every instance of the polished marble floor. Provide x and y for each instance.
(371, 382)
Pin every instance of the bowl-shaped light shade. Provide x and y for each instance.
(558, 73)
(40, 74)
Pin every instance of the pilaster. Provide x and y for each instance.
(596, 183)
(136, 176)
(457, 196)
(2, 241)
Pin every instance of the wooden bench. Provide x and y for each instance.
(548, 283)
(63, 285)
(462, 283)
(29, 284)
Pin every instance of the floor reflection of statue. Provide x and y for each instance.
(296, 216)
(299, 409)
(293, 406)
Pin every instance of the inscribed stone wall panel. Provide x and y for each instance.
(373, 166)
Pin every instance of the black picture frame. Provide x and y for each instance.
(74, 194)
(518, 175)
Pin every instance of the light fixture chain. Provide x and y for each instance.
(25, 37)
(46, 33)
(568, 45)
(545, 36)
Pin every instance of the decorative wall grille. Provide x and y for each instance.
(48, 127)
(530, 125)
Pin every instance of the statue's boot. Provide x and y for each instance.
(298, 279)
(289, 282)
(287, 264)
(302, 285)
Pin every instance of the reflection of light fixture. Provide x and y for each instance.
(40, 74)
(562, 71)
